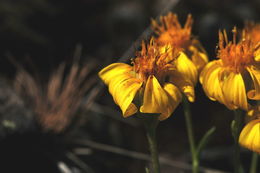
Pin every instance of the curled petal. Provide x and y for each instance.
(184, 84)
(257, 58)
(160, 100)
(199, 58)
(155, 98)
(123, 88)
(257, 54)
(234, 90)
(255, 75)
(175, 98)
(254, 111)
(111, 71)
(113, 84)
(209, 78)
(250, 136)
(186, 67)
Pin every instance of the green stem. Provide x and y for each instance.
(150, 126)
(236, 129)
(187, 113)
(254, 161)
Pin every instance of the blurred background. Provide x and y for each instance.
(55, 114)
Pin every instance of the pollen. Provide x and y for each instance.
(171, 32)
(235, 56)
(154, 60)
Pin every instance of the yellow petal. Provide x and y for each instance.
(158, 100)
(255, 75)
(175, 98)
(113, 84)
(257, 58)
(111, 71)
(155, 97)
(199, 58)
(123, 89)
(209, 78)
(186, 67)
(250, 112)
(253, 111)
(184, 84)
(250, 136)
(234, 90)
(257, 55)
(122, 86)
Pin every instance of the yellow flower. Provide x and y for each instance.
(235, 75)
(250, 136)
(151, 85)
(171, 32)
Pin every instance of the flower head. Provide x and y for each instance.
(235, 56)
(154, 60)
(250, 136)
(170, 31)
(152, 84)
(235, 75)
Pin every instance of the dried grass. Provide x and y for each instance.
(55, 103)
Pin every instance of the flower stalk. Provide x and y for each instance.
(236, 128)
(195, 149)
(253, 167)
(194, 154)
(150, 127)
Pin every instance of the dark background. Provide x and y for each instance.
(41, 34)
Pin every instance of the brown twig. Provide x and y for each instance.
(141, 156)
(79, 162)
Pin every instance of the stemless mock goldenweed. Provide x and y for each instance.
(250, 135)
(152, 84)
(170, 31)
(235, 75)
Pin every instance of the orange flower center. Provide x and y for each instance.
(234, 55)
(154, 60)
(171, 32)
(253, 32)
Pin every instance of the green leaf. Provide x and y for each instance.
(205, 139)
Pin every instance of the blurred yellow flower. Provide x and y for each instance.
(250, 136)
(235, 75)
(252, 31)
(152, 84)
(170, 31)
